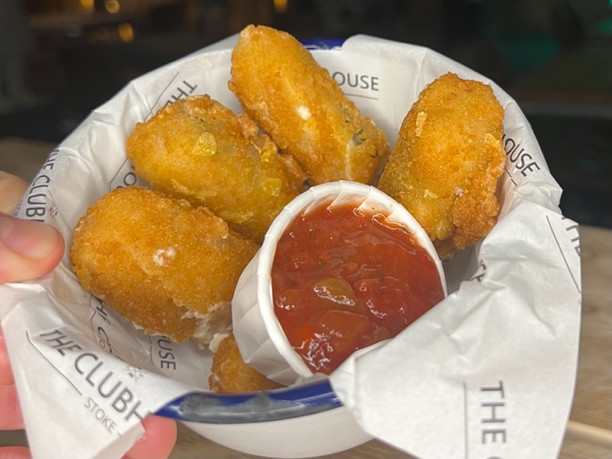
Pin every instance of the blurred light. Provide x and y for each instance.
(87, 5)
(126, 32)
(112, 6)
(280, 6)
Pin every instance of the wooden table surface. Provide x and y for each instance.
(589, 431)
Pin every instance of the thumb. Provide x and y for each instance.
(11, 190)
(27, 249)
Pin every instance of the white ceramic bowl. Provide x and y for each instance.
(258, 333)
(303, 420)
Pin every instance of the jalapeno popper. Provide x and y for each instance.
(199, 150)
(299, 104)
(446, 163)
(168, 267)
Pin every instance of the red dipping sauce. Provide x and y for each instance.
(343, 280)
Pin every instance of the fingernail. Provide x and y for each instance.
(29, 239)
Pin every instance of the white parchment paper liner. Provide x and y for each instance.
(488, 372)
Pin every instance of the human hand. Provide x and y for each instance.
(29, 250)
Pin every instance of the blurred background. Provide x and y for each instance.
(60, 59)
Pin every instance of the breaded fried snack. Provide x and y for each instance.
(168, 267)
(299, 104)
(230, 374)
(446, 163)
(199, 150)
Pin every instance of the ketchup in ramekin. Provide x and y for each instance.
(343, 266)
(344, 278)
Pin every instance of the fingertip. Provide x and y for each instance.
(158, 440)
(14, 452)
(28, 249)
(12, 189)
(6, 374)
(10, 411)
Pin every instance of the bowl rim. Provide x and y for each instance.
(253, 407)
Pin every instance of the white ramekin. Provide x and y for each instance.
(259, 335)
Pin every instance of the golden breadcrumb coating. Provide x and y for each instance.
(299, 104)
(230, 374)
(168, 267)
(446, 163)
(199, 150)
